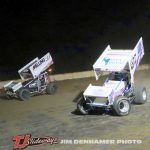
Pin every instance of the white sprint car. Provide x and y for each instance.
(118, 91)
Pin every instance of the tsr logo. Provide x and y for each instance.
(21, 141)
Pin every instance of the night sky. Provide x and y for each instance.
(74, 32)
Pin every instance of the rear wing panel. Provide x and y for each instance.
(24, 71)
(41, 65)
(136, 56)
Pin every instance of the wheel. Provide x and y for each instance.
(121, 106)
(8, 97)
(140, 95)
(24, 94)
(51, 88)
(82, 106)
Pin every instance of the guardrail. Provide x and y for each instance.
(77, 75)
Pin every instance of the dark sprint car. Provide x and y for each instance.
(35, 79)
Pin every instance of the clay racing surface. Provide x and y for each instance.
(55, 115)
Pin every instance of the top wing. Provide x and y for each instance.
(35, 67)
(118, 60)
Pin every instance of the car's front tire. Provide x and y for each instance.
(82, 106)
(24, 94)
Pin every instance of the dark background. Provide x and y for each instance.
(75, 32)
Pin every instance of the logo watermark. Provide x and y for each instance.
(23, 141)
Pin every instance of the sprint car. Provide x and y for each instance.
(118, 91)
(35, 79)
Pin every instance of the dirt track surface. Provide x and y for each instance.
(55, 115)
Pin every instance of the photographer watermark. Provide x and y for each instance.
(100, 141)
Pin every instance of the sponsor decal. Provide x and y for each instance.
(133, 61)
(112, 61)
(32, 85)
(38, 63)
(139, 48)
(41, 61)
(106, 60)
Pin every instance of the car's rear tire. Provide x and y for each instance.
(82, 106)
(24, 94)
(140, 95)
(121, 106)
(51, 88)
